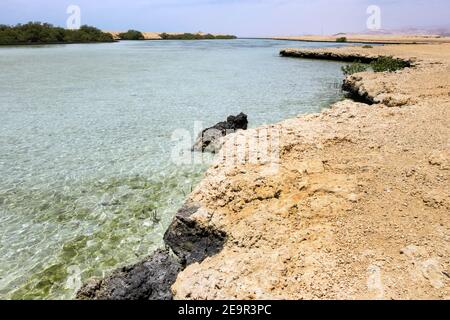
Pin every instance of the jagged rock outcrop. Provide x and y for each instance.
(151, 279)
(189, 239)
(327, 55)
(209, 140)
(359, 89)
(356, 91)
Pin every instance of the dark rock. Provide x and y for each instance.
(319, 55)
(150, 279)
(209, 139)
(190, 241)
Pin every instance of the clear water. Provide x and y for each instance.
(86, 181)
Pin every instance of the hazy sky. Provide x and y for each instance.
(240, 17)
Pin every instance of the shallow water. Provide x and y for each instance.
(87, 182)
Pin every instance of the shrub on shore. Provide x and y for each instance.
(131, 35)
(382, 64)
(42, 33)
(367, 46)
(341, 39)
(225, 37)
(194, 36)
(389, 64)
(354, 68)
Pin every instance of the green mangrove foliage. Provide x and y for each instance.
(382, 64)
(131, 35)
(354, 68)
(388, 64)
(45, 33)
(341, 39)
(194, 36)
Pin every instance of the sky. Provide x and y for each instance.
(239, 17)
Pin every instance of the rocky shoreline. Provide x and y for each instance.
(328, 55)
(355, 208)
(186, 242)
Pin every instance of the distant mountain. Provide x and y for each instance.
(425, 31)
(438, 31)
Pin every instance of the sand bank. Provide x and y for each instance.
(367, 38)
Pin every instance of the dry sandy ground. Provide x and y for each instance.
(356, 207)
(399, 39)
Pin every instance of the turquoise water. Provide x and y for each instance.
(87, 182)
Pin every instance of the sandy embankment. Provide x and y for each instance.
(359, 206)
(364, 38)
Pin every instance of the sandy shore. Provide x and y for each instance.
(364, 38)
(359, 206)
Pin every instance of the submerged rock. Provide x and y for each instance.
(209, 139)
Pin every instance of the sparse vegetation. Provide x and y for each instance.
(382, 64)
(194, 36)
(354, 68)
(45, 33)
(388, 64)
(131, 35)
(367, 46)
(341, 39)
